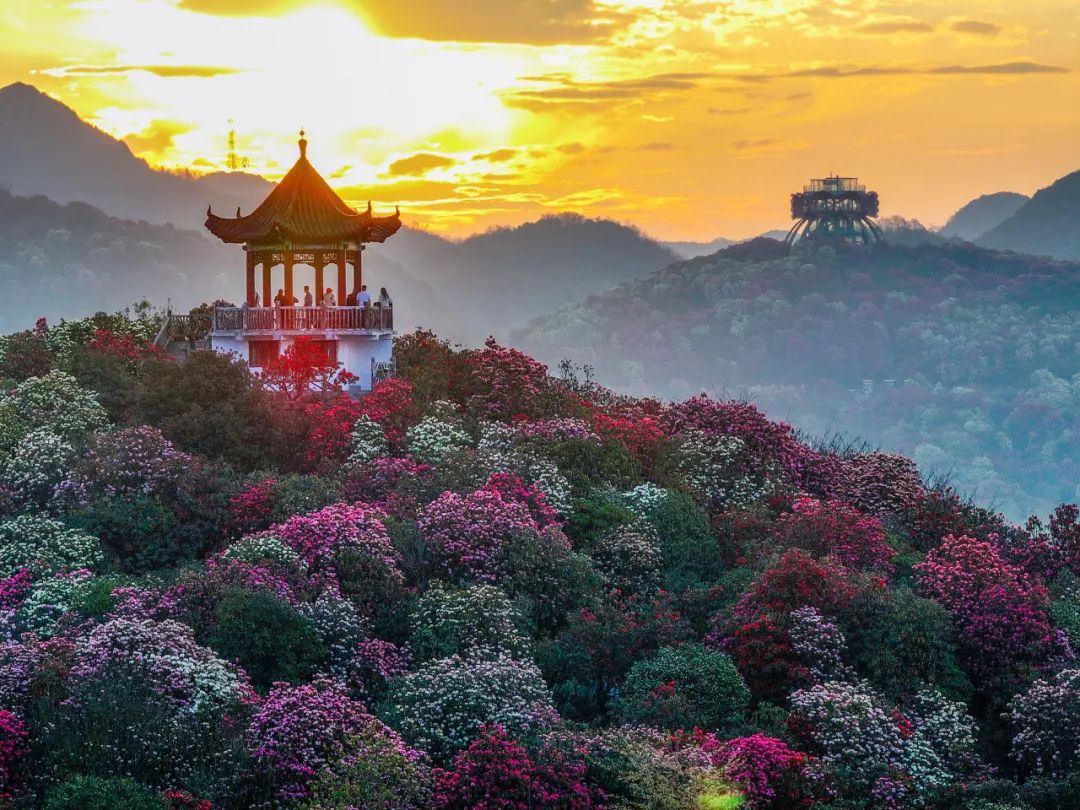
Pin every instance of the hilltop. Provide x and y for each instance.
(983, 214)
(1046, 225)
(969, 355)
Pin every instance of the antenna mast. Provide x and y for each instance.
(232, 160)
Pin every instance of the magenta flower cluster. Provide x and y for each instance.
(319, 538)
(1000, 609)
(300, 730)
(468, 533)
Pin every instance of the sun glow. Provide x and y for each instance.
(686, 118)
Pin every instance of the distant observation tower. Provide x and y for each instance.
(835, 209)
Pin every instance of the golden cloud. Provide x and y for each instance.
(534, 22)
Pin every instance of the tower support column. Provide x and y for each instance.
(268, 293)
(319, 280)
(250, 286)
(341, 291)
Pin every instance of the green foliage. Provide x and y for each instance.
(593, 517)
(683, 687)
(210, 405)
(903, 642)
(591, 465)
(297, 494)
(690, 552)
(381, 778)
(138, 532)
(95, 793)
(270, 639)
(451, 622)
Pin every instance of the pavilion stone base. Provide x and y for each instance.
(358, 354)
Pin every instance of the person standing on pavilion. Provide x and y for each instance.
(308, 300)
(328, 298)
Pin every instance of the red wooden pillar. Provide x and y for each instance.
(319, 280)
(250, 287)
(268, 293)
(358, 271)
(288, 277)
(341, 291)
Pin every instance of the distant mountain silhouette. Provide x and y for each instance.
(983, 214)
(49, 150)
(497, 280)
(1047, 225)
(73, 260)
(691, 250)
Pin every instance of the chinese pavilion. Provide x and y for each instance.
(304, 223)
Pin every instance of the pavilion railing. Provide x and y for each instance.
(302, 319)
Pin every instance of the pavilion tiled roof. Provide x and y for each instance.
(303, 209)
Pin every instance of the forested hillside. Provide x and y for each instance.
(484, 586)
(963, 357)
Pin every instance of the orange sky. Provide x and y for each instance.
(689, 119)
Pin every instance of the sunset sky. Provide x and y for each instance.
(689, 119)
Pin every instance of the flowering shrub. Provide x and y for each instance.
(368, 441)
(339, 626)
(13, 747)
(769, 773)
(630, 557)
(130, 461)
(301, 730)
(498, 456)
(443, 705)
(377, 775)
(468, 534)
(144, 700)
(557, 430)
(771, 443)
(712, 465)
(346, 545)
(38, 464)
(251, 509)
(511, 383)
(496, 772)
(903, 759)
(385, 480)
(834, 528)
(51, 598)
(853, 727)
(641, 435)
(390, 403)
(644, 499)
(880, 484)
(683, 687)
(1000, 610)
(456, 622)
(42, 545)
(329, 436)
(1046, 725)
(434, 439)
(58, 404)
(375, 663)
(820, 646)
(512, 488)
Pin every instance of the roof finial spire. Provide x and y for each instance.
(303, 144)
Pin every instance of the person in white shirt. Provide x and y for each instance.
(364, 299)
(328, 299)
